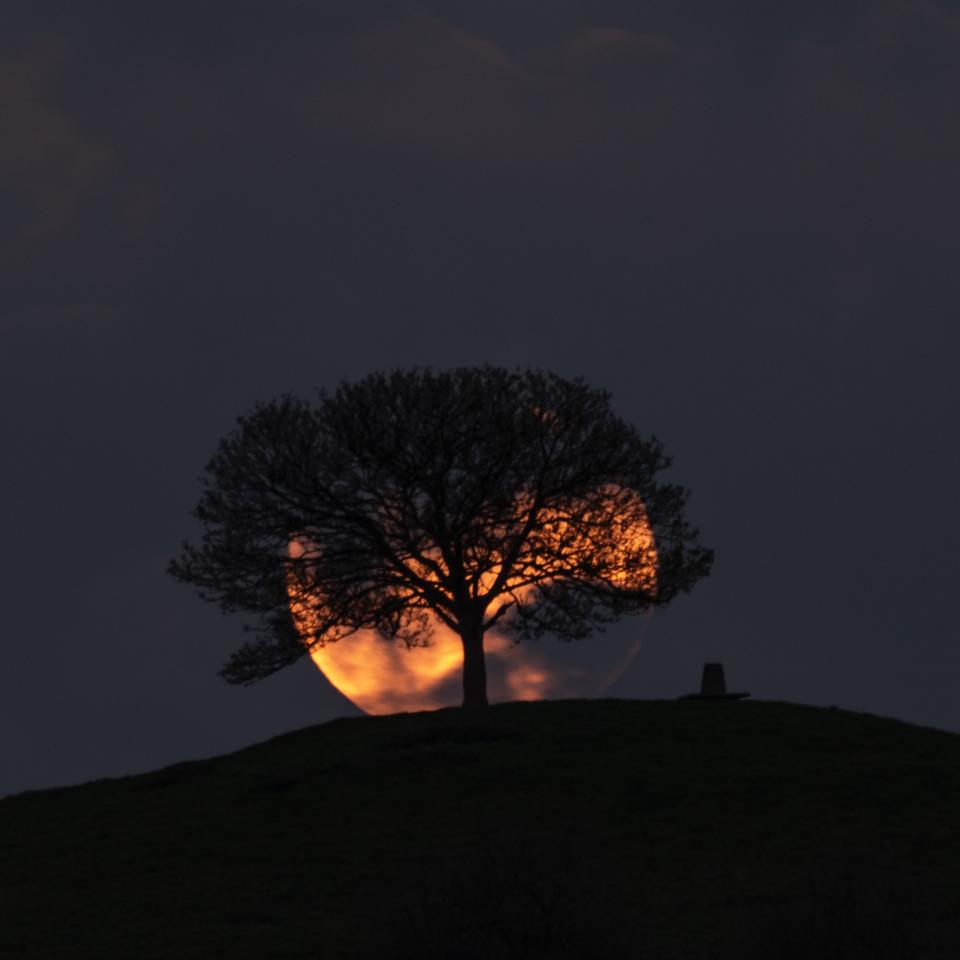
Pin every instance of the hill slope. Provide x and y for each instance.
(577, 828)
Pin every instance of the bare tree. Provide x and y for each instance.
(484, 497)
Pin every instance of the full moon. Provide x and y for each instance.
(380, 675)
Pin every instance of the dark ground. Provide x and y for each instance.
(568, 829)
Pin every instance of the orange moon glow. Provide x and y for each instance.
(381, 676)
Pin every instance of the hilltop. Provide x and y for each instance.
(561, 829)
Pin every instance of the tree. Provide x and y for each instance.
(482, 496)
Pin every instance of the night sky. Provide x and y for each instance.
(739, 218)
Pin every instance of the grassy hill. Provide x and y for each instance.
(569, 829)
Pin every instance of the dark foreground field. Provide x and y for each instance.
(571, 829)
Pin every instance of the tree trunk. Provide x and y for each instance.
(474, 667)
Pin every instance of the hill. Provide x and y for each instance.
(566, 829)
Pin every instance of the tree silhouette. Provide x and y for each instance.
(484, 497)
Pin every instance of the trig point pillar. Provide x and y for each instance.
(713, 683)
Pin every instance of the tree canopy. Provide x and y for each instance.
(481, 497)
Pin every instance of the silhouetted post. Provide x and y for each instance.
(713, 683)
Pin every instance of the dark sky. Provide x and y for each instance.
(740, 218)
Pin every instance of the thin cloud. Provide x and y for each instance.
(50, 166)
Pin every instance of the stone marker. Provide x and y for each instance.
(713, 686)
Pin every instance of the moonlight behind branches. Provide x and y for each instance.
(480, 497)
